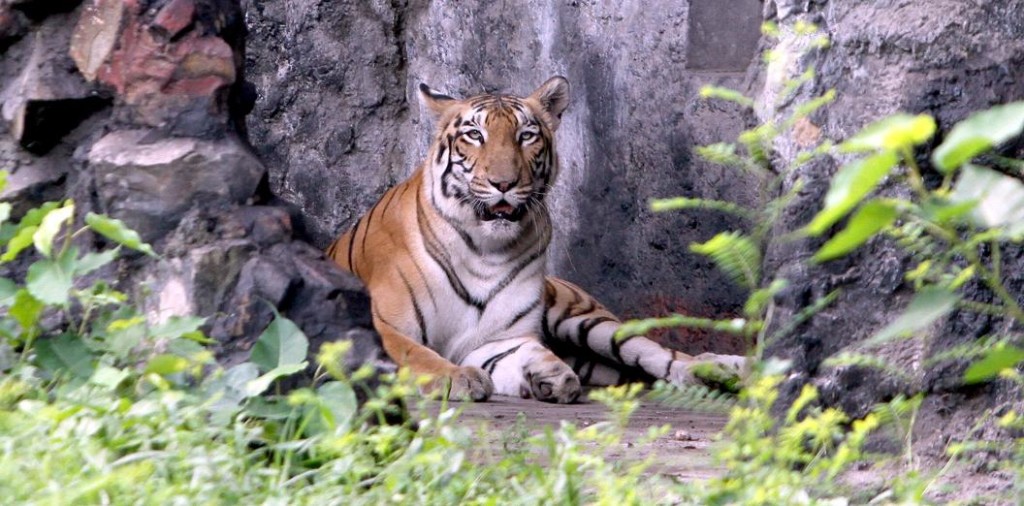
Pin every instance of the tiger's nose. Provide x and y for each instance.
(504, 186)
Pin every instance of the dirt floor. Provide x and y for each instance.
(684, 452)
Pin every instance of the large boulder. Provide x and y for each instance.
(238, 266)
(150, 181)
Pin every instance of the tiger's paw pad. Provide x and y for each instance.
(552, 381)
(469, 384)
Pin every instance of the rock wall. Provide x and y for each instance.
(135, 109)
(944, 58)
(337, 121)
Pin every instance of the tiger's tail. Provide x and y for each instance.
(583, 333)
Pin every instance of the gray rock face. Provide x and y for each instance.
(944, 58)
(236, 264)
(151, 183)
(337, 121)
(337, 124)
(133, 109)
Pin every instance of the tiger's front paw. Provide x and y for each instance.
(463, 384)
(724, 372)
(552, 381)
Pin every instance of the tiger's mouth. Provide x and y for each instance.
(501, 211)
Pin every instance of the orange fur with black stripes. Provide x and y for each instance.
(454, 259)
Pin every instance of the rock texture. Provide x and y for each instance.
(237, 265)
(151, 183)
(134, 108)
(943, 58)
(338, 123)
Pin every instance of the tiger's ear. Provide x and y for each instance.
(553, 97)
(436, 101)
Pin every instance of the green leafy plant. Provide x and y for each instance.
(946, 227)
(954, 228)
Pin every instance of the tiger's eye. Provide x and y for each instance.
(527, 136)
(475, 135)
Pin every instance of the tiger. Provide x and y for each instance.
(454, 258)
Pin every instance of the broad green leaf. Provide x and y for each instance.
(736, 255)
(8, 289)
(50, 227)
(261, 384)
(282, 343)
(21, 240)
(239, 376)
(108, 377)
(942, 210)
(337, 407)
(51, 281)
(100, 294)
(866, 222)
(269, 408)
(195, 352)
(226, 391)
(995, 361)
(166, 365)
(124, 335)
(117, 231)
(5, 212)
(65, 354)
(928, 306)
(176, 326)
(32, 218)
(92, 261)
(891, 134)
(26, 309)
(851, 184)
(979, 133)
(998, 199)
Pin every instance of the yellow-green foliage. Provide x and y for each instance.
(792, 462)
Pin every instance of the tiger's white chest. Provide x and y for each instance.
(483, 298)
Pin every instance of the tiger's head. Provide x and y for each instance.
(493, 158)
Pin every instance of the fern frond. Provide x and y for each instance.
(737, 326)
(727, 94)
(692, 397)
(736, 255)
(758, 142)
(721, 153)
(971, 350)
(808, 108)
(849, 358)
(678, 203)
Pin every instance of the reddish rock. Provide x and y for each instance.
(95, 35)
(174, 17)
(153, 73)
